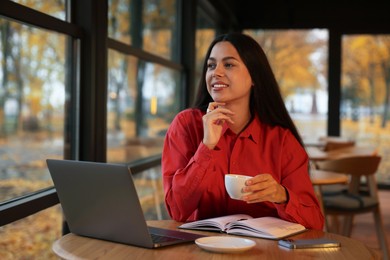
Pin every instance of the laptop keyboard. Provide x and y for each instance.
(161, 239)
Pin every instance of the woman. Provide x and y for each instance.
(239, 125)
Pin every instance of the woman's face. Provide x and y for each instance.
(227, 78)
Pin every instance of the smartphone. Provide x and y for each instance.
(309, 243)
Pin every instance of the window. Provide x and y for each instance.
(298, 59)
(159, 27)
(32, 106)
(365, 101)
(143, 98)
(149, 24)
(35, 104)
(54, 8)
(144, 91)
(118, 20)
(36, 113)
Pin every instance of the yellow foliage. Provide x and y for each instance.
(365, 61)
(31, 237)
(289, 52)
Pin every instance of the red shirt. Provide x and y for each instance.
(193, 175)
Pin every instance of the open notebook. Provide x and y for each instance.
(99, 200)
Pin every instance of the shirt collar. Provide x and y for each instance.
(252, 131)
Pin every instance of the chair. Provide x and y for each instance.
(335, 142)
(359, 196)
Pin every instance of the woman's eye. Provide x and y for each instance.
(211, 66)
(228, 65)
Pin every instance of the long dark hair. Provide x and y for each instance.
(266, 100)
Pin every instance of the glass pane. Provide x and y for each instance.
(151, 194)
(32, 98)
(53, 8)
(205, 34)
(365, 108)
(32, 237)
(143, 99)
(299, 61)
(159, 29)
(119, 20)
(155, 31)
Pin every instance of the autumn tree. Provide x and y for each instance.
(383, 43)
(366, 74)
(292, 56)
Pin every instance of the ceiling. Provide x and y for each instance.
(344, 15)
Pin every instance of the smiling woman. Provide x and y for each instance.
(246, 131)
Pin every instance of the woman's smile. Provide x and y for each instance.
(218, 86)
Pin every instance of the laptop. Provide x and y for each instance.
(99, 200)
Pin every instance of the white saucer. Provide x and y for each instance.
(225, 244)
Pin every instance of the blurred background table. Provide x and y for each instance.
(316, 154)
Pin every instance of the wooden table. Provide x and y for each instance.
(316, 154)
(320, 178)
(72, 246)
(322, 141)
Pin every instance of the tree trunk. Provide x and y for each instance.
(386, 103)
(314, 109)
(5, 36)
(371, 100)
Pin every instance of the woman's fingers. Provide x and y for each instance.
(212, 123)
(214, 105)
(264, 188)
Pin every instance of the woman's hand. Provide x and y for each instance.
(264, 188)
(213, 121)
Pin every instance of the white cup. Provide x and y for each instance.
(234, 184)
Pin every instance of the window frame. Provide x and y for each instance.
(86, 111)
(20, 207)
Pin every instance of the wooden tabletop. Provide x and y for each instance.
(316, 154)
(72, 246)
(320, 177)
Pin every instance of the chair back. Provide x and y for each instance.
(360, 197)
(355, 167)
(335, 142)
(333, 145)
